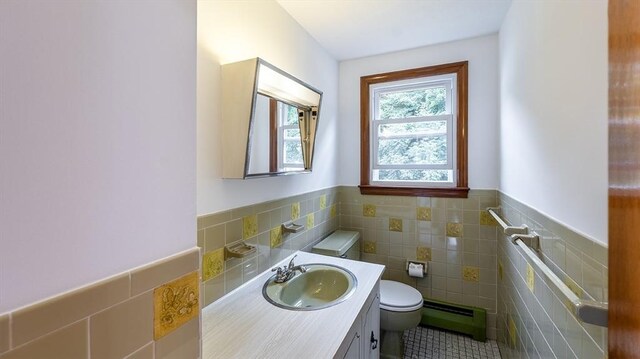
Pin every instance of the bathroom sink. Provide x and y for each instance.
(321, 286)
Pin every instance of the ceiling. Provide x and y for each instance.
(350, 29)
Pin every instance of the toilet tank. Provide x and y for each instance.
(344, 244)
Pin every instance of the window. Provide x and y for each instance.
(286, 151)
(413, 132)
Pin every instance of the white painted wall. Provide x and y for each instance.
(482, 54)
(97, 141)
(553, 132)
(230, 31)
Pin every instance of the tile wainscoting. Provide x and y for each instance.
(260, 225)
(148, 312)
(533, 321)
(454, 235)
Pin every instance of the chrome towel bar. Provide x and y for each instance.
(587, 311)
(506, 228)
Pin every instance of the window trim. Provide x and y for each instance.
(461, 189)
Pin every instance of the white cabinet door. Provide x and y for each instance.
(371, 330)
(354, 348)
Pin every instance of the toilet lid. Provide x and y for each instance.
(399, 297)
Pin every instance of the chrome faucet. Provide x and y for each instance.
(285, 273)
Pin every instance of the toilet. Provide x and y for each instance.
(400, 304)
(400, 310)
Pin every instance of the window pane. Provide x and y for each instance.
(424, 151)
(412, 103)
(413, 128)
(290, 114)
(413, 175)
(292, 134)
(292, 152)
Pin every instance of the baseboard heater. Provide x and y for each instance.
(457, 318)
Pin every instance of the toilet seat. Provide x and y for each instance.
(399, 297)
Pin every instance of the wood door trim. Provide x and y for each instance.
(624, 170)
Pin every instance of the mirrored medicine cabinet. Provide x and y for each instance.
(270, 119)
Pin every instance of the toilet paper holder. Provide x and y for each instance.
(423, 264)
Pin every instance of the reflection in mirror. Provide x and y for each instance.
(281, 150)
(269, 120)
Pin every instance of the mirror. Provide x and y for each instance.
(269, 121)
(276, 145)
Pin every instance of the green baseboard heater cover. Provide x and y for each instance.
(457, 318)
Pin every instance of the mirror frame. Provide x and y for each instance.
(241, 84)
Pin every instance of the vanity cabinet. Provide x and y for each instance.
(363, 340)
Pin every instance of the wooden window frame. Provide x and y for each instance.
(461, 189)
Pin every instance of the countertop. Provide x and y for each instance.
(242, 324)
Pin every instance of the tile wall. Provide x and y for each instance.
(259, 225)
(533, 321)
(455, 236)
(146, 313)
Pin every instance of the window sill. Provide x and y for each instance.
(450, 192)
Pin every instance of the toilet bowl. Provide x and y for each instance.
(400, 309)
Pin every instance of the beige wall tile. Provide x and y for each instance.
(184, 343)
(145, 352)
(156, 274)
(122, 329)
(214, 238)
(233, 231)
(67, 343)
(213, 290)
(213, 219)
(40, 319)
(4, 333)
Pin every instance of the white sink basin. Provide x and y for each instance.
(321, 286)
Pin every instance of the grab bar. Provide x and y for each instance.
(587, 311)
(506, 228)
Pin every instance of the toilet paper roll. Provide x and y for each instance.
(416, 270)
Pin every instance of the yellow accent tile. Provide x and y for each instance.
(276, 237)
(395, 224)
(500, 270)
(295, 210)
(174, 304)
(212, 264)
(512, 332)
(369, 210)
(423, 213)
(531, 277)
(311, 218)
(471, 274)
(487, 219)
(249, 226)
(370, 247)
(454, 229)
(423, 253)
(323, 201)
(334, 211)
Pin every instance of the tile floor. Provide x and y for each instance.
(423, 342)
